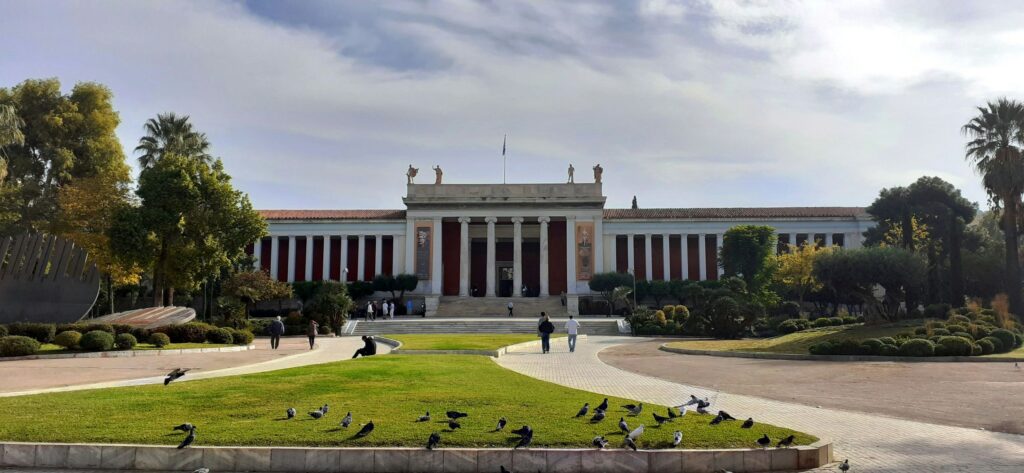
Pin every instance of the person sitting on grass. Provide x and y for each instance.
(369, 347)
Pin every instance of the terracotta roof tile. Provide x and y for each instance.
(736, 212)
(373, 214)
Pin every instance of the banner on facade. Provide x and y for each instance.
(424, 241)
(584, 250)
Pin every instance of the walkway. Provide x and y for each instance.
(73, 374)
(872, 442)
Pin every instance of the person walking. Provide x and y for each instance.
(384, 308)
(276, 329)
(572, 327)
(369, 311)
(391, 310)
(510, 306)
(369, 347)
(311, 332)
(546, 328)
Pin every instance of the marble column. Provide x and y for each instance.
(614, 248)
(598, 245)
(436, 265)
(828, 239)
(517, 256)
(792, 239)
(544, 287)
(275, 244)
(665, 258)
(631, 254)
(291, 259)
(648, 258)
(684, 255)
(326, 276)
(378, 255)
(397, 252)
(343, 259)
(464, 256)
(410, 246)
(719, 239)
(490, 256)
(257, 251)
(308, 274)
(361, 259)
(702, 247)
(570, 254)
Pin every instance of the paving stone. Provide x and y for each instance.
(84, 456)
(117, 457)
(428, 461)
(287, 459)
(391, 461)
(53, 456)
(355, 460)
(565, 461)
(19, 454)
(493, 460)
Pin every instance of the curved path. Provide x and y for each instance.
(25, 377)
(872, 442)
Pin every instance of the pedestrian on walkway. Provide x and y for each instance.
(545, 328)
(391, 310)
(510, 306)
(276, 329)
(311, 332)
(369, 311)
(572, 327)
(369, 347)
(384, 308)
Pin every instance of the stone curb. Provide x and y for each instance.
(491, 353)
(130, 353)
(809, 357)
(407, 460)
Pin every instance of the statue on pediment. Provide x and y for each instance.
(572, 171)
(437, 174)
(598, 170)
(411, 173)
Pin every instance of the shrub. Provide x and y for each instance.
(847, 347)
(835, 321)
(963, 335)
(242, 337)
(889, 350)
(917, 347)
(125, 341)
(18, 345)
(659, 317)
(940, 332)
(889, 341)
(141, 333)
(921, 331)
(936, 311)
(192, 332)
(849, 320)
(981, 331)
(956, 346)
(976, 350)
(97, 340)
(159, 340)
(1006, 337)
(42, 333)
(987, 347)
(997, 344)
(956, 328)
(219, 335)
(959, 320)
(122, 328)
(872, 346)
(822, 322)
(790, 309)
(933, 324)
(988, 312)
(681, 313)
(821, 348)
(670, 311)
(790, 326)
(3, 331)
(67, 339)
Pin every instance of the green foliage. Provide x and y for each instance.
(359, 289)
(332, 304)
(872, 346)
(159, 340)
(658, 290)
(1006, 338)
(997, 344)
(125, 341)
(192, 332)
(220, 335)
(42, 333)
(851, 275)
(251, 287)
(821, 322)
(67, 339)
(917, 347)
(956, 346)
(659, 318)
(18, 345)
(748, 251)
(793, 325)
(938, 311)
(3, 331)
(680, 313)
(97, 340)
(790, 309)
(242, 337)
(987, 347)
(396, 285)
(960, 320)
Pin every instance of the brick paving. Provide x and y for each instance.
(873, 443)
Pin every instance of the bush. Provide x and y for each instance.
(940, 332)
(988, 312)
(790, 309)
(681, 313)
(659, 317)
(242, 337)
(847, 347)
(890, 350)
(140, 333)
(953, 328)
(260, 325)
(192, 332)
(821, 348)
(1006, 337)
(956, 346)
(917, 347)
(959, 320)
(67, 339)
(18, 345)
(159, 340)
(889, 341)
(670, 311)
(987, 347)
(3, 331)
(42, 333)
(964, 335)
(936, 311)
(789, 326)
(219, 335)
(849, 320)
(921, 331)
(835, 321)
(933, 324)
(125, 341)
(97, 340)
(976, 350)
(822, 322)
(872, 346)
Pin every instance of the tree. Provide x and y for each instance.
(252, 287)
(332, 303)
(944, 209)
(396, 285)
(606, 283)
(10, 134)
(658, 289)
(853, 275)
(748, 252)
(795, 269)
(996, 136)
(169, 133)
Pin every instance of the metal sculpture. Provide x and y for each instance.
(45, 278)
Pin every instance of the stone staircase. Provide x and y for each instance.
(596, 326)
(527, 307)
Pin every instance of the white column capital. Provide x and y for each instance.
(517, 220)
(465, 220)
(543, 219)
(570, 217)
(491, 220)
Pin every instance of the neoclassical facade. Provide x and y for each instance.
(524, 240)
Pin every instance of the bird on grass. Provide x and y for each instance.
(725, 415)
(845, 466)
(631, 443)
(598, 416)
(525, 440)
(583, 410)
(290, 412)
(183, 427)
(191, 437)
(692, 402)
(173, 375)
(599, 442)
(764, 441)
(456, 414)
(635, 411)
(324, 409)
(701, 410)
(452, 425)
(672, 414)
(347, 420)
(424, 418)
(636, 433)
(717, 420)
(623, 426)
(659, 419)
(317, 414)
(786, 442)
(604, 405)
(433, 440)
(677, 438)
(363, 432)
(501, 424)
(748, 423)
(523, 431)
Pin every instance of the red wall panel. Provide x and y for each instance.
(556, 258)
(657, 258)
(450, 241)
(621, 254)
(318, 259)
(693, 262)
(675, 264)
(265, 255)
(478, 267)
(353, 259)
(640, 257)
(370, 261)
(300, 259)
(282, 259)
(335, 262)
(531, 266)
(712, 251)
(388, 257)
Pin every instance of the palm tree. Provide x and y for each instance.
(170, 134)
(10, 134)
(997, 138)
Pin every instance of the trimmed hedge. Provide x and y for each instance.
(1008, 339)
(219, 335)
(192, 332)
(987, 347)
(97, 340)
(125, 341)
(159, 339)
(18, 345)
(793, 325)
(3, 331)
(242, 337)
(956, 346)
(42, 333)
(67, 339)
(917, 347)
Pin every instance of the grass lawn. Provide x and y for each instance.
(1018, 353)
(474, 341)
(799, 342)
(391, 390)
(49, 348)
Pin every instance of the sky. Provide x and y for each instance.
(324, 104)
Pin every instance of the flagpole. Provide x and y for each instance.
(503, 141)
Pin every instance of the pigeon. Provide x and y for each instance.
(201, 470)
(682, 411)
(604, 405)
(452, 425)
(347, 420)
(630, 443)
(598, 416)
(725, 415)
(456, 414)
(363, 432)
(191, 437)
(764, 441)
(677, 438)
(501, 424)
(692, 402)
(183, 427)
(748, 423)
(703, 404)
(583, 410)
(845, 466)
(786, 442)
(672, 414)
(636, 410)
(623, 426)
(636, 433)
(599, 442)
(701, 410)
(324, 409)
(503, 470)
(629, 407)
(659, 419)
(317, 414)
(523, 431)
(525, 440)
(717, 420)
(435, 438)
(424, 418)
(290, 412)
(173, 375)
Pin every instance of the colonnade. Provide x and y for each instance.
(327, 241)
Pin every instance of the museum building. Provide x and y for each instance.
(524, 240)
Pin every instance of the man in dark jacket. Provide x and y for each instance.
(276, 329)
(546, 328)
(369, 347)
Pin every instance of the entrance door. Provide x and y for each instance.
(505, 275)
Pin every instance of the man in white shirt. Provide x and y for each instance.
(391, 310)
(572, 327)
(383, 308)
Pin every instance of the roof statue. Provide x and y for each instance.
(598, 170)
(437, 174)
(45, 279)
(411, 173)
(572, 171)
(634, 203)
